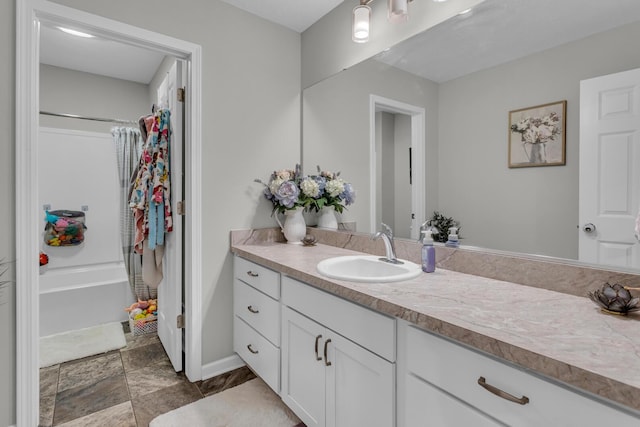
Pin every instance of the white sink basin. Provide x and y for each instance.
(367, 268)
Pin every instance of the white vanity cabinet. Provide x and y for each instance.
(338, 359)
(256, 321)
(446, 384)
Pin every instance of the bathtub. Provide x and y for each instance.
(80, 297)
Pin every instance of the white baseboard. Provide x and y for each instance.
(221, 366)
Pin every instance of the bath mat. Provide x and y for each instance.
(252, 403)
(81, 343)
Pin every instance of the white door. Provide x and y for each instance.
(360, 386)
(171, 288)
(303, 367)
(610, 169)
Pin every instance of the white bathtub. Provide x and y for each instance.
(75, 298)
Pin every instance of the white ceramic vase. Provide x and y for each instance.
(327, 218)
(294, 228)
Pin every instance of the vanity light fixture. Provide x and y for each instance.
(398, 11)
(75, 32)
(361, 21)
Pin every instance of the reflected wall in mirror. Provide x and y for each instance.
(467, 100)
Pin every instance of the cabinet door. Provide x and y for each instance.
(360, 386)
(426, 406)
(303, 375)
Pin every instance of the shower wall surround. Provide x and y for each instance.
(77, 169)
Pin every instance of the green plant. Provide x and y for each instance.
(442, 223)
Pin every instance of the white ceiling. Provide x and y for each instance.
(498, 31)
(495, 32)
(297, 15)
(97, 55)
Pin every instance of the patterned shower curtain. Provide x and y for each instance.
(129, 143)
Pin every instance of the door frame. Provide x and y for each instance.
(418, 115)
(29, 13)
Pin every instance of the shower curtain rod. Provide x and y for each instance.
(95, 119)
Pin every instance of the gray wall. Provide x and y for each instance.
(251, 116)
(336, 127)
(7, 192)
(74, 92)
(532, 210)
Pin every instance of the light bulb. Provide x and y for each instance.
(75, 32)
(398, 10)
(361, 20)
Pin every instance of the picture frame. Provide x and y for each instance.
(537, 135)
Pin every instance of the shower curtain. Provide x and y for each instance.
(129, 143)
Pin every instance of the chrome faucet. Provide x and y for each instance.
(387, 237)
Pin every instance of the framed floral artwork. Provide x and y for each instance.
(537, 135)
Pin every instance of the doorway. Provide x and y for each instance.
(397, 172)
(30, 15)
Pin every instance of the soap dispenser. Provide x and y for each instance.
(452, 240)
(428, 252)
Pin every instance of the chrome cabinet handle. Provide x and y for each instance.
(252, 350)
(326, 360)
(317, 340)
(503, 394)
(252, 274)
(253, 310)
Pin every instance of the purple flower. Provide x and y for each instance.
(287, 194)
(267, 193)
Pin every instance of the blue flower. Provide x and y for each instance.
(322, 182)
(348, 195)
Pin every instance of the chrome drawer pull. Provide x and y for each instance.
(317, 355)
(326, 360)
(252, 350)
(253, 310)
(503, 394)
(252, 274)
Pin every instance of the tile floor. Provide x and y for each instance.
(124, 388)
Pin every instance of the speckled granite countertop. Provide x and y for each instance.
(564, 337)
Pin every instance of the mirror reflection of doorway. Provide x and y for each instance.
(397, 168)
(393, 143)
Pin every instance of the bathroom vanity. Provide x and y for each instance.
(445, 348)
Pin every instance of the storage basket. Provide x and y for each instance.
(144, 326)
(64, 228)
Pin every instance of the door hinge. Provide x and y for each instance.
(180, 94)
(180, 321)
(180, 207)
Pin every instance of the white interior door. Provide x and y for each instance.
(610, 169)
(170, 290)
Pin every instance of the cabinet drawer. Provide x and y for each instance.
(257, 309)
(261, 356)
(261, 278)
(425, 405)
(373, 331)
(457, 369)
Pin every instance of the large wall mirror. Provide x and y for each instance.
(467, 74)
